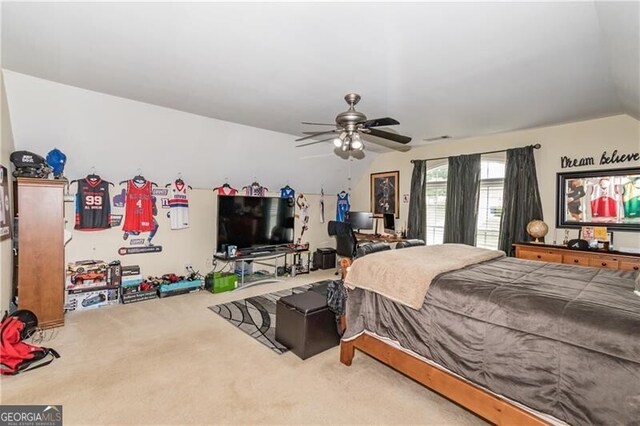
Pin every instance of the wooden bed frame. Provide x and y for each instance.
(477, 400)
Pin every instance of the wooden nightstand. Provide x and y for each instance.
(562, 254)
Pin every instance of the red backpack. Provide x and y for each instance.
(15, 355)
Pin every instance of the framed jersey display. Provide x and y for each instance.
(608, 198)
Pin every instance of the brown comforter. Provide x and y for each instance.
(561, 339)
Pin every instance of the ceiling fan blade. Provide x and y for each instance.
(388, 135)
(377, 122)
(318, 124)
(372, 141)
(315, 134)
(313, 143)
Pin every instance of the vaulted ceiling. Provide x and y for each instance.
(455, 69)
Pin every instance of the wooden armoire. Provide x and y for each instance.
(40, 270)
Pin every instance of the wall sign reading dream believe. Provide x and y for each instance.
(613, 158)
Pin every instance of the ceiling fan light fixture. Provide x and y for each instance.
(337, 142)
(356, 143)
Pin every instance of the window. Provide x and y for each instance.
(489, 206)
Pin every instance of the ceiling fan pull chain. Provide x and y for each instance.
(349, 177)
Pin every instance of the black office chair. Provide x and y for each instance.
(346, 242)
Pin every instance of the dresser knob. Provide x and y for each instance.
(635, 268)
(604, 263)
(539, 257)
(575, 260)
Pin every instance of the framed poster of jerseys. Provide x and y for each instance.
(608, 198)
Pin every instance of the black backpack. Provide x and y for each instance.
(28, 164)
(336, 300)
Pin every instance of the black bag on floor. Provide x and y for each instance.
(336, 300)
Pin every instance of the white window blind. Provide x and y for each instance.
(489, 205)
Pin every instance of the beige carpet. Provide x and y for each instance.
(173, 361)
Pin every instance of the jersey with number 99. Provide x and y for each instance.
(93, 206)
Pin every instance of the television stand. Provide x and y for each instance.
(264, 258)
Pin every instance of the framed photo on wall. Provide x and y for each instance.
(385, 193)
(5, 215)
(609, 198)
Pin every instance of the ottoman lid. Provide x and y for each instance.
(307, 302)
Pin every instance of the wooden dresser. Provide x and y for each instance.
(562, 254)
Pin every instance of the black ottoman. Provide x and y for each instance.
(305, 324)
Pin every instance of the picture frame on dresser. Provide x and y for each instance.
(608, 198)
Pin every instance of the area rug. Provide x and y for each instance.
(256, 316)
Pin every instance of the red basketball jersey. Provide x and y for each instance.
(138, 208)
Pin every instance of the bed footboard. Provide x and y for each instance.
(485, 404)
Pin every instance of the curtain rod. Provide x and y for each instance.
(536, 146)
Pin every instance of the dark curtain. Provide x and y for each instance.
(417, 224)
(463, 189)
(521, 200)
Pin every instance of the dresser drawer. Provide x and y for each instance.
(630, 264)
(575, 259)
(604, 262)
(541, 255)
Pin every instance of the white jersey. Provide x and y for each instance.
(178, 205)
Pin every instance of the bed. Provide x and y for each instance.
(515, 341)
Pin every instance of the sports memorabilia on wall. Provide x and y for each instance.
(600, 197)
(140, 209)
(225, 189)
(321, 205)
(255, 190)
(93, 204)
(5, 212)
(342, 206)
(303, 205)
(138, 215)
(384, 193)
(287, 192)
(178, 204)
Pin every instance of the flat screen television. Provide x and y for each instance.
(360, 220)
(254, 222)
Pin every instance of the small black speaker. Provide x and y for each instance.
(578, 244)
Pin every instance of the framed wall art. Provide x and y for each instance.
(385, 193)
(5, 210)
(608, 198)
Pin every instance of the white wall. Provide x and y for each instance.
(581, 139)
(6, 147)
(6, 253)
(117, 136)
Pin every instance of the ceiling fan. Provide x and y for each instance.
(351, 125)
